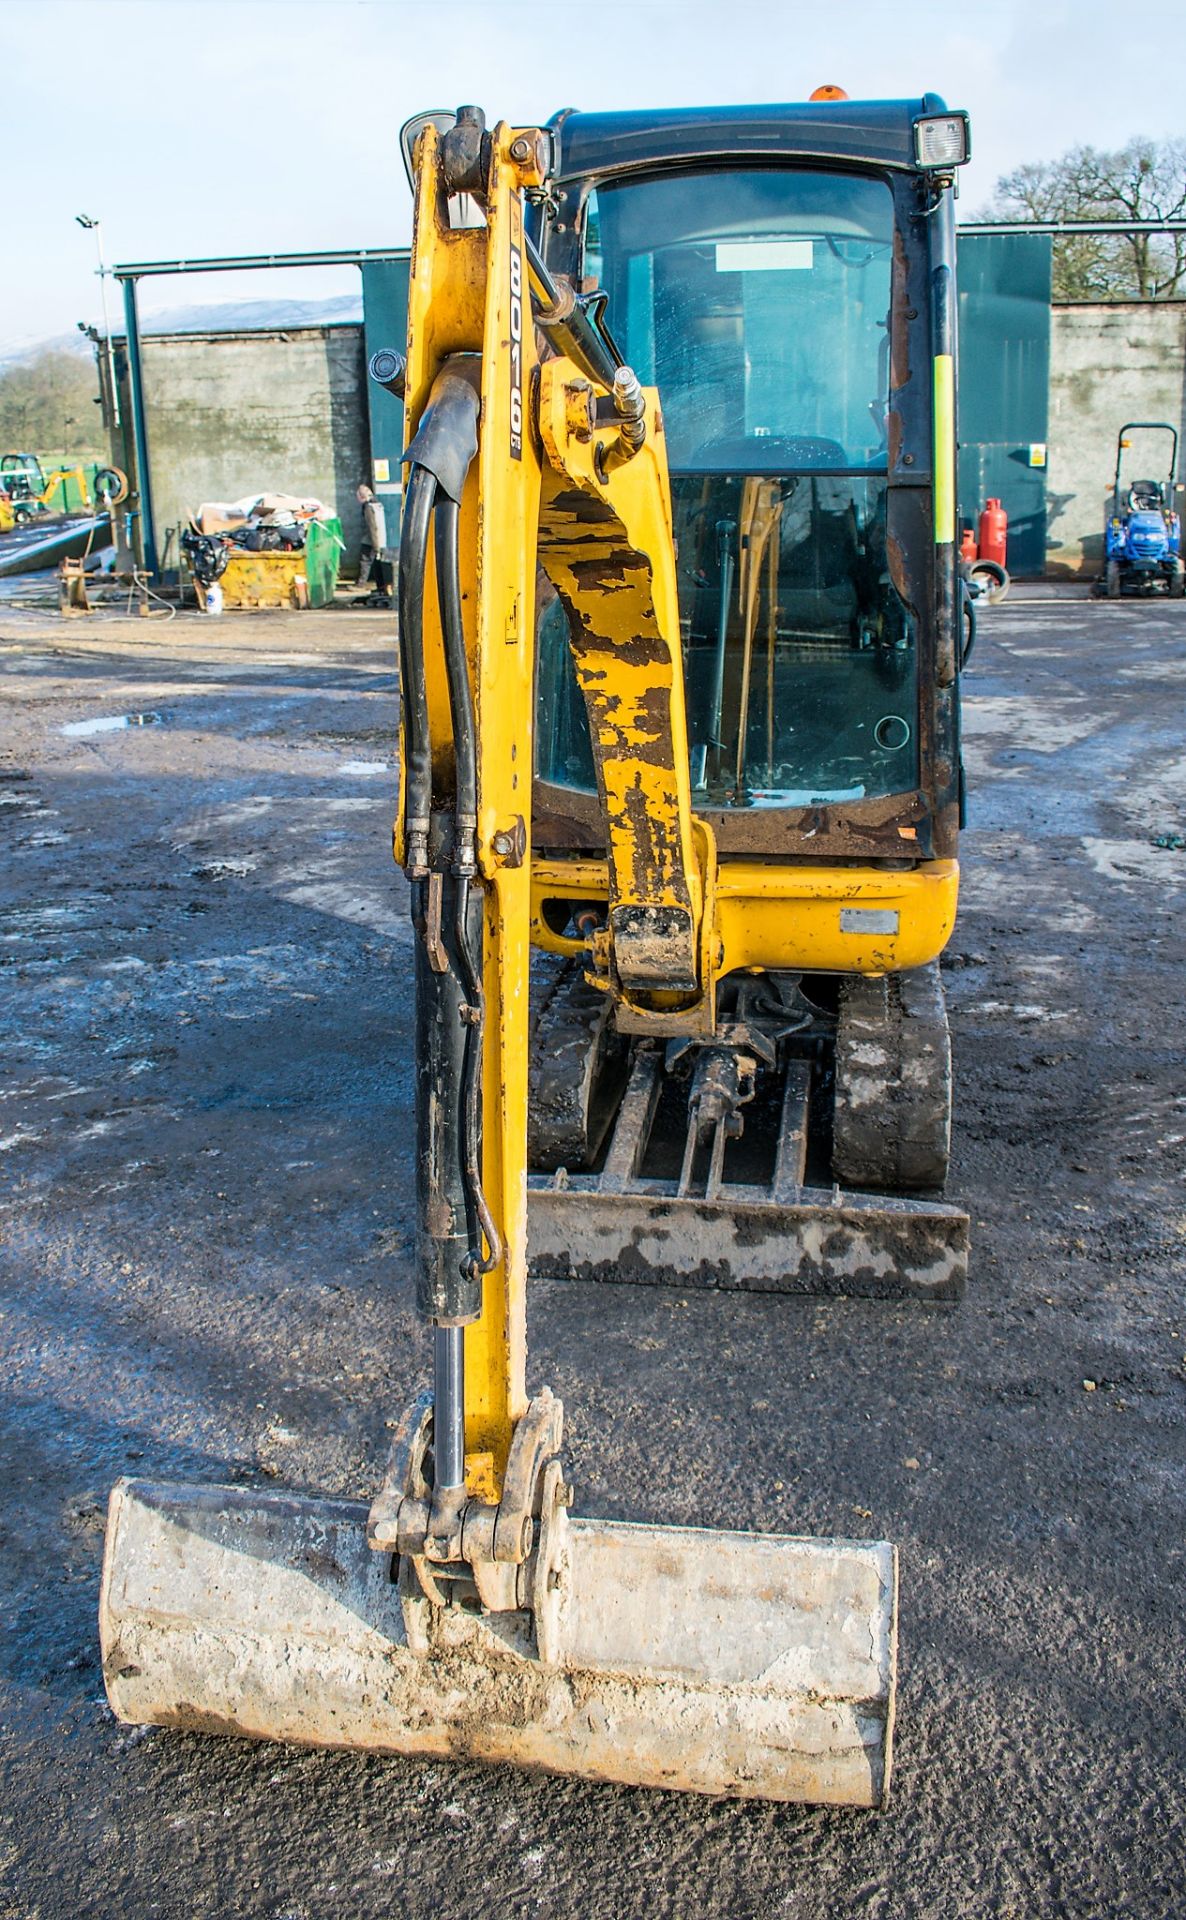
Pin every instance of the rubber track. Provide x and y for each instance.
(566, 1036)
(892, 1113)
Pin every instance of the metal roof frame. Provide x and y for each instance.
(131, 273)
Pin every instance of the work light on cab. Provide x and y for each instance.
(942, 140)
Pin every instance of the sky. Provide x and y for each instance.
(198, 127)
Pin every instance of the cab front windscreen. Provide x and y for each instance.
(758, 302)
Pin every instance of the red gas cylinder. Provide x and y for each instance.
(994, 529)
(969, 551)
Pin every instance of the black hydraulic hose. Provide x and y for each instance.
(454, 1222)
(439, 458)
(968, 610)
(461, 706)
(413, 555)
(479, 1219)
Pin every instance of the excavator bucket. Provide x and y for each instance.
(752, 1665)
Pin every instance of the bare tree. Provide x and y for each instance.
(38, 396)
(1145, 180)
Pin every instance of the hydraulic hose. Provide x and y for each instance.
(447, 440)
(461, 706)
(479, 1219)
(968, 616)
(413, 555)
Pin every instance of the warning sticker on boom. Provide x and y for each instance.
(516, 225)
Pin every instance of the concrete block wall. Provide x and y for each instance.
(1108, 365)
(230, 413)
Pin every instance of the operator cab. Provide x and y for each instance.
(768, 270)
(21, 476)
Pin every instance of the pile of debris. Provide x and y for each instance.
(221, 535)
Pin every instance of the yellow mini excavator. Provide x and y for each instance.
(30, 491)
(679, 684)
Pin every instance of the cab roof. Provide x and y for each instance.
(879, 132)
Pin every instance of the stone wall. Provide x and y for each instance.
(1108, 365)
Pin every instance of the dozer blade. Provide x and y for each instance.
(778, 1237)
(723, 1663)
(816, 1241)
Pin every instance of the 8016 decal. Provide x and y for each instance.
(516, 225)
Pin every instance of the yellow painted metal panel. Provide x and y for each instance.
(790, 917)
(944, 482)
(261, 579)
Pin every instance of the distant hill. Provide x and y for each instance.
(226, 316)
(19, 353)
(255, 315)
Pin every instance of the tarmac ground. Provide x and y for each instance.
(205, 1273)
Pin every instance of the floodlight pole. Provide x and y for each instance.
(96, 227)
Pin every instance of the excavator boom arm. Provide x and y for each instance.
(522, 465)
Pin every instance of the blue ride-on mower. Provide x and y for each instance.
(1143, 532)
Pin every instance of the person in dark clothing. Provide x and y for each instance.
(373, 558)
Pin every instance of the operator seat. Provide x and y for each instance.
(1145, 496)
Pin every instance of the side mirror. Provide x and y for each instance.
(464, 210)
(439, 117)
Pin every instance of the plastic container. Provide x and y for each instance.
(323, 556)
